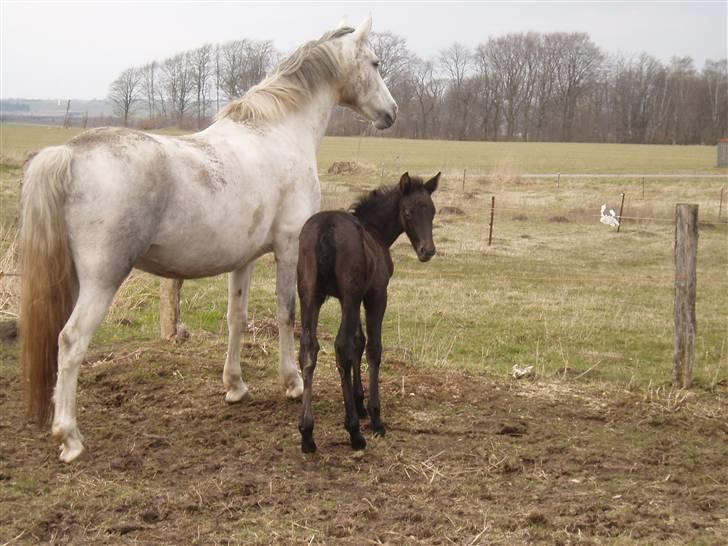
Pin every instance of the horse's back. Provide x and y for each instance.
(174, 206)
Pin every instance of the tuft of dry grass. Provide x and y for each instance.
(9, 279)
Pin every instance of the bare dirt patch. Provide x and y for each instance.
(466, 459)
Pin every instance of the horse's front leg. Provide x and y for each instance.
(238, 287)
(286, 254)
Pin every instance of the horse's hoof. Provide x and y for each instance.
(234, 396)
(295, 388)
(70, 450)
(379, 430)
(358, 443)
(308, 446)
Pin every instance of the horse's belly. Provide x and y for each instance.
(194, 261)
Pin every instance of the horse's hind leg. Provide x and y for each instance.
(345, 356)
(91, 306)
(359, 343)
(286, 258)
(375, 307)
(238, 285)
(307, 361)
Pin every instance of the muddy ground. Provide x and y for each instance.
(466, 459)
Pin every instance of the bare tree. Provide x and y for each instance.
(243, 64)
(428, 89)
(124, 93)
(489, 95)
(715, 76)
(456, 62)
(148, 77)
(577, 64)
(393, 54)
(202, 71)
(178, 83)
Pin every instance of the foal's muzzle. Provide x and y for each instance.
(424, 254)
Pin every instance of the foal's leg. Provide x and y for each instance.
(307, 361)
(375, 307)
(345, 356)
(359, 343)
(238, 284)
(286, 258)
(91, 307)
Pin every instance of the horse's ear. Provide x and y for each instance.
(343, 23)
(404, 183)
(362, 31)
(431, 184)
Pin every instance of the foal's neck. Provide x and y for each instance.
(382, 221)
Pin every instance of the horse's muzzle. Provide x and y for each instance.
(386, 119)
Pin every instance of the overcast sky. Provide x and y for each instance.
(76, 49)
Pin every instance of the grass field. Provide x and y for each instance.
(610, 453)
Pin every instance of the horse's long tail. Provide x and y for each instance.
(48, 277)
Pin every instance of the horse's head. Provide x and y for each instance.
(416, 211)
(362, 88)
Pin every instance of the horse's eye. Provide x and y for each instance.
(375, 64)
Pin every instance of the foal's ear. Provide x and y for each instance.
(404, 183)
(431, 184)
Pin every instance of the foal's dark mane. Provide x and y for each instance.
(379, 200)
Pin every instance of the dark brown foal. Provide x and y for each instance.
(346, 255)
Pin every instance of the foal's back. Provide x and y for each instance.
(337, 256)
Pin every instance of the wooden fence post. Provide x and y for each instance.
(466, 169)
(621, 209)
(686, 256)
(171, 327)
(720, 206)
(490, 229)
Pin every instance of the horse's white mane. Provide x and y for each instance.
(292, 81)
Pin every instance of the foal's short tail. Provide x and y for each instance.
(47, 275)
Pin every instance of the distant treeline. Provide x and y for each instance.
(520, 86)
(13, 106)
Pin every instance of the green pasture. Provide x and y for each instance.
(434, 155)
(556, 290)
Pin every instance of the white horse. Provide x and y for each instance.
(195, 206)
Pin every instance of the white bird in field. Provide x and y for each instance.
(610, 218)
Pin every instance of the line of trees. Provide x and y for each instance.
(521, 86)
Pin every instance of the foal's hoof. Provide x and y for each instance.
(361, 411)
(379, 430)
(308, 446)
(358, 443)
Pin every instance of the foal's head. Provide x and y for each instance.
(416, 212)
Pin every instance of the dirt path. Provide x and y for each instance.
(467, 460)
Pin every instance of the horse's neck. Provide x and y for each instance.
(309, 122)
(305, 127)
